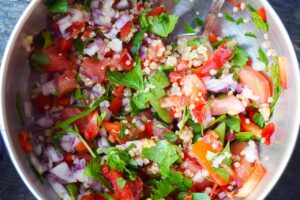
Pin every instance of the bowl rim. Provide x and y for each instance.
(25, 177)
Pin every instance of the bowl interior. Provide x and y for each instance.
(16, 79)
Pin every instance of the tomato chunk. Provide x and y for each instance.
(65, 45)
(282, 67)
(66, 83)
(57, 62)
(215, 61)
(227, 105)
(125, 30)
(156, 11)
(95, 69)
(25, 141)
(262, 13)
(42, 102)
(250, 127)
(256, 82)
(267, 132)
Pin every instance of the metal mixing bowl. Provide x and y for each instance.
(15, 77)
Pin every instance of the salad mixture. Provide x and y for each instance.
(123, 115)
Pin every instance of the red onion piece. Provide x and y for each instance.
(64, 24)
(67, 142)
(53, 154)
(123, 4)
(220, 85)
(103, 143)
(45, 122)
(116, 45)
(63, 172)
(37, 164)
(59, 189)
(49, 88)
(95, 4)
(122, 21)
(28, 109)
(143, 52)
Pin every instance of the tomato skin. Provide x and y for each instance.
(88, 197)
(183, 65)
(65, 45)
(213, 38)
(174, 76)
(282, 68)
(262, 13)
(66, 83)
(256, 82)
(156, 11)
(99, 197)
(57, 62)
(215, 61)
(267, 132)
(199, 111)
(68, 158)
(41, 102)
(95, 69)
(25, 141)
(80, 147)
(63, 101)
(149, 128)
(250, 127)
(118, 91)
(115, 105)
(126, 60)
(125, 30)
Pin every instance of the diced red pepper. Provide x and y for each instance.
(126, 60)
(156, 11)
(282, 68)
(68, 158)
(174, 76)
(25, 141)
(262, 13)
(149, 128)
(267, 132)
(125, 30)
(115, 105)
(65, 45)
(213, 38)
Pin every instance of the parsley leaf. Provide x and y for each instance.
(240, 57)
(199, 21)
(197, 129)
(228, 17)
(222, 172)
(121, 161)
(40, 58)
(163, 153)
(177, 179)
(163, 189)
(262, 57)
(170, 137)
(137, 42)
(220, 130)
(219, 119)
(72, 190)
(121, 182)
(48, 41)
(257, 20)
(185, 118)
(200, 196)
(259, 120)
(59, 6)
(249, 34)
(93, 170)
(163, 113)
(244, 136)
(78, 94)
(277, 87)
(144, 20)
(239, 21)
(189, 28)
(233, 122)
(79, 45)
(164, 24)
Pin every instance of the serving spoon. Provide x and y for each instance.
(206, 29)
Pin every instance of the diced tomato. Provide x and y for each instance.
(182, 65)
(66, 83)
(262, 13)
(149, 128)
(213, 38)
(118, 91)
(156, 11)
(80, 147)
(215, 61)
(63, 101)
(95, 69)
(85, 156)
(87, 33)
(65, 45)
(254, 178)
(226, 105)
(57, 62)
(249, 62)
(125, 30)
(256, 82)
(250, 127)
(111, 126)
(174, 76)
(25, 141)
(231, 1)
(88, 197)
(267, 132)
(76, 28)
(123, 60)
(68, 158)
(99, 197)
(282, 67)
(193, 87)
(199, 111)
(173, 101)
(41, 102)
(115, 105)
(200, 150)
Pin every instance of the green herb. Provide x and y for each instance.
(239, 21)
(39, 176)
(101, 118)
(163, 189)
(277, 87)
(163, 113)
(199, 21)
(144, 20)
(218, 43)
(137, 42)
(198, 129)
(121, 182)
(48, 41)
(197, 42)
(170, 137)
(164, 24)
(262, 57)
(233, 122)
(219, 119)
(86, 5)
(122, 132)
(211, 155)
(106, 196)
(186, 116)
(121, 161)
(78, 94)
(72, 190)
(79, 45)
(132, 79)
(222, 172)
(249, 34)
(181, 182)
(71, 120)
(40, 58)
(163, 153)
(167, 68)
(93, 170)
(228, 17)
(200, 196)
(257, 20)
(259, 120)
(19, 108)
(244, 136)
(189, 28)
(59, 6)
(240, 57)
(226, 152)
(220, 130)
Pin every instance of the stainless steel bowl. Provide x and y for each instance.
(15, 78)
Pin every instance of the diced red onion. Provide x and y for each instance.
(116, 45)
(37, 149)
(239, 88)
(67, 142)
(103, 143)
(43, 78)
(122, 21)
(123, 4)
(96, 186)
(112, 33)
(76, 15)
(79, 175)
(230, 137)
(219, 85)
(77, 140)
(63, 172)
(53, 154)
(222, 195)
(198, 178)
(28, 109)
(103, 132)
(98, 91)
(37, 164)
(59, 189)
(91, 49)
(49, 88)
(143, 52)
(45, 122)
(95, 4)
(107, 8)
(64, 24)
(78, 164)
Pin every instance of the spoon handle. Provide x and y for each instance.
(211, 17)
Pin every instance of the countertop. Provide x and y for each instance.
(12, 187)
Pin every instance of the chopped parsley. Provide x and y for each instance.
(121, 182)
(228, 17)
(164, 24)
(40, 58)
(262, 57)
(244, 136)
(189, 28)
(57, 6)
(48, 41)
(72, 190)
(199, 21)
(137, 42)
(257, 20)
(259, 120)
(249, 34)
